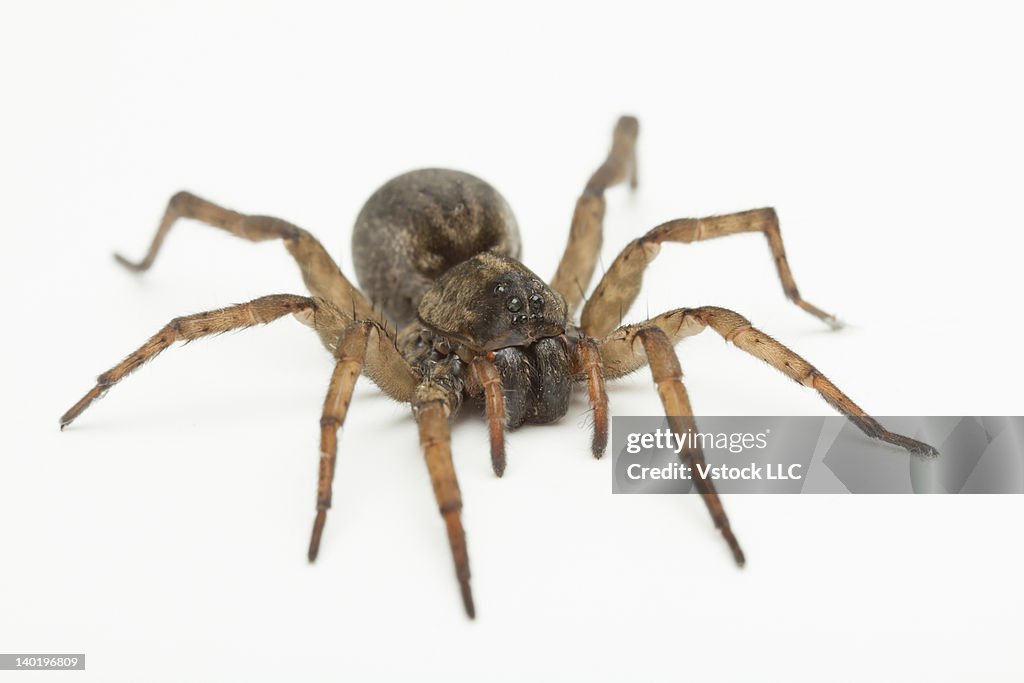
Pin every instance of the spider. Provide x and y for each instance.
(447, 312)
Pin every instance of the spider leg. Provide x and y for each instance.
(620, 358)
(588, 363)
(319, 271)
(432, 408)
(580, 257)
(348, 339)
(384, 363)
(668, 377)
(486, 375)
(620, 285)
(351, 355)
(262, 310)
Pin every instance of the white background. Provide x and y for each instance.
(165, 533)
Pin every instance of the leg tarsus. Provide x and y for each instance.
(181, 205)
(631, 130)
(134, 266)
(457, 541)
(734, 546)
(867, 424)
(318, 530)
(832, 321)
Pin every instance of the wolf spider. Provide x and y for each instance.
(447, 311)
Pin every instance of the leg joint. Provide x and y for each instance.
(329, 421)
(450, 506)
(181, 199)
(733, 334)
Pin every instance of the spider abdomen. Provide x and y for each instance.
(420, 224)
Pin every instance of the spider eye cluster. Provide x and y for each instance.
(525, 307)
(492, 302)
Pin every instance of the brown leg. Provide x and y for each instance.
(262, 310)
(620, 357)
(384, 365)
(620, 286)
(432, 418)
(319, 271)
(351, 354)
(486, 375)
(588, 363)
(580, 257)
(668, 377)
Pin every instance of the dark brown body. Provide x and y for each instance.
(419, 225)
(437, 250)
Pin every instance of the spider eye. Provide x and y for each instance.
(535, 299)
(500, 289)
(514, 304)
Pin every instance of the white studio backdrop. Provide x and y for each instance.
(164, 534)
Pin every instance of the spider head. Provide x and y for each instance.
(492, 302)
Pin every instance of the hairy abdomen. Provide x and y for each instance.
(420, 224)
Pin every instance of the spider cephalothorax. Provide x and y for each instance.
(436, 253)
(491, 302)
(494, 307)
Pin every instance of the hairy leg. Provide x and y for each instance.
(580, 257)
(431, 407)
(319, 271)
(262, 310)
(351, 355)
(620, 286)
(357, 345)
(618, 349)
(668, 377)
